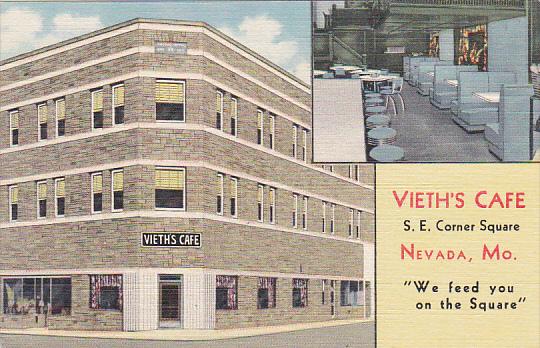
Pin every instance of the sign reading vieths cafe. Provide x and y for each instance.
(168, 240)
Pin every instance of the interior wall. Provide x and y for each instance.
(507, 49)
(534, 18)
(446, 45)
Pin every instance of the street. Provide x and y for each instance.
(354, 335)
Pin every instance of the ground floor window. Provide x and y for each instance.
(37, 296)
(300, 292)
(352, 293)
(226, 292)
(106, 292)
(266, 293)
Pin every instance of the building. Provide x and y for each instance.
(171, 128)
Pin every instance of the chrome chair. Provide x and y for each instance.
(397, 86)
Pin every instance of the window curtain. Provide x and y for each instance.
(229, 283)
(61, 109)
(99, 281)
(270, 284)
(14, 120)
(302, 284)
(169, 92)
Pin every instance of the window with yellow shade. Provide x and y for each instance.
(170, 188)
(170, 100)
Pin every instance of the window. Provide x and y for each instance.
(97, 192)
(260, 127)
(219, 197)
(356, 172)
(272, 205)
(234, 197)
(41, 199)
(332, 220)
(13, 203)
(170, 192)
(14, 128)
(60, 196)
(60, 117)
(23, 296)
(331, 168)
(42, 121)
(358, 219)
(170, 100)
(97, 109)
(350, 171)
(266, 293)
(351, 293)
(304, 213)
(117, 190)
(234, 117)
(323, 217)
(219, 110)
(300, 292)
(106, 292)
(260, 203)
(271, 131)
(226, 292)
(351, 222)
(304, 145)
(323, 287)
(295, 211)
(295, 141)
(118, 101)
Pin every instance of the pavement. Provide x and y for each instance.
(347, 334)
(182, 334)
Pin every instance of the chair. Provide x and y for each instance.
(374, 101)
(328, 75)
(397, 86)
(340, 73)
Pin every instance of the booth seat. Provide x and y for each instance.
(442, 93)
(424, 79)
(470, 112)
(406, 67)
(413, 67)
(509, 137)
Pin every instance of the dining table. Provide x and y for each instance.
(319, 72)
(490, 97)
(376, 80)
(454, 83)
(345, 67)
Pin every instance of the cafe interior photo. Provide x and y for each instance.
(426, 80)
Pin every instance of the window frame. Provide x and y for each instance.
(184, 196)
(10, 199)
(358, 220)
(295, 141)
(351, 222)
(305, 200)
(11, 129)
(221, 184)
(56, 116)
(46, 121)
(295, 210)
(260, 209)
(260, 116)
(272, 205)
(234, 100)
(236, 282)
(323, 230)
(121, 170)
(113, 113)
(38, 183)
(235, 181)
(183, 83)
(271, 133)
(92, 108)
(92, 193)
(304, 145)
(56, 197)
(333, 220)
(222, 97)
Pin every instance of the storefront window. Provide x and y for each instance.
(300, 292)
(352, 293)
(266, 293)
(106, 292)
(24, 296)
(226, 292)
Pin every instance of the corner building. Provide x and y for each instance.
(170, 126)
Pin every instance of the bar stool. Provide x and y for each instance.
(381, 136)
(375, 110)
(387, 153)
(374, 102)
(373, 95)
(397, 86)
(377, 121)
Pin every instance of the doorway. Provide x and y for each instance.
(170, 301)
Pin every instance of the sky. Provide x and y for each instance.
(278, 30)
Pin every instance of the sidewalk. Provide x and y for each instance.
(181, 334)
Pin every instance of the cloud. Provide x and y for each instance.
(263, 35)
(22, 30)
(303, 72)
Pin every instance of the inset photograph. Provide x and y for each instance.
(426, 81)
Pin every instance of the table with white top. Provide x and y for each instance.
(431, 73)
(319, 72)
(345, 67)
(490, 97)
(454, 83)
(376, 80)
(360, 72)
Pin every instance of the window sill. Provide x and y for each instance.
(117, 210)
(170, 121)
(170, 209)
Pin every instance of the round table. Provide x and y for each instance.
(372, 95)
(370, 110)
(374, 101)
(381, 136)
(377, 121)
(319, 72)
(345, 67)
(387, 153)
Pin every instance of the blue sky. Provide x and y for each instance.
(278, 30)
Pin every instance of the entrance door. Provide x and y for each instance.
(332, 298)
(170, 301)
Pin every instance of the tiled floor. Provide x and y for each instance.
(428, 134)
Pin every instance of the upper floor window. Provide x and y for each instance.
(260, 127)
(220, 193)
(305, 214)
(118, 101)
(351, 222)
(260, 203)
(333, 219)
(323, 217)
(356, 172)
(117, 190)
(170, 100)
(42, 121)
(14, 128)
(295, 141)
(97, 109)
(219, 110)
(170, 188)
(350, 171)
(331, 168)
(272, 205)
(60, 117)
(271, 131)
(42, 199)
(295, 211)
(13, 203)
(358, 220)
(60, 197)
(234, 197)
(304, 145)
(97, 192)
(234, 117)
